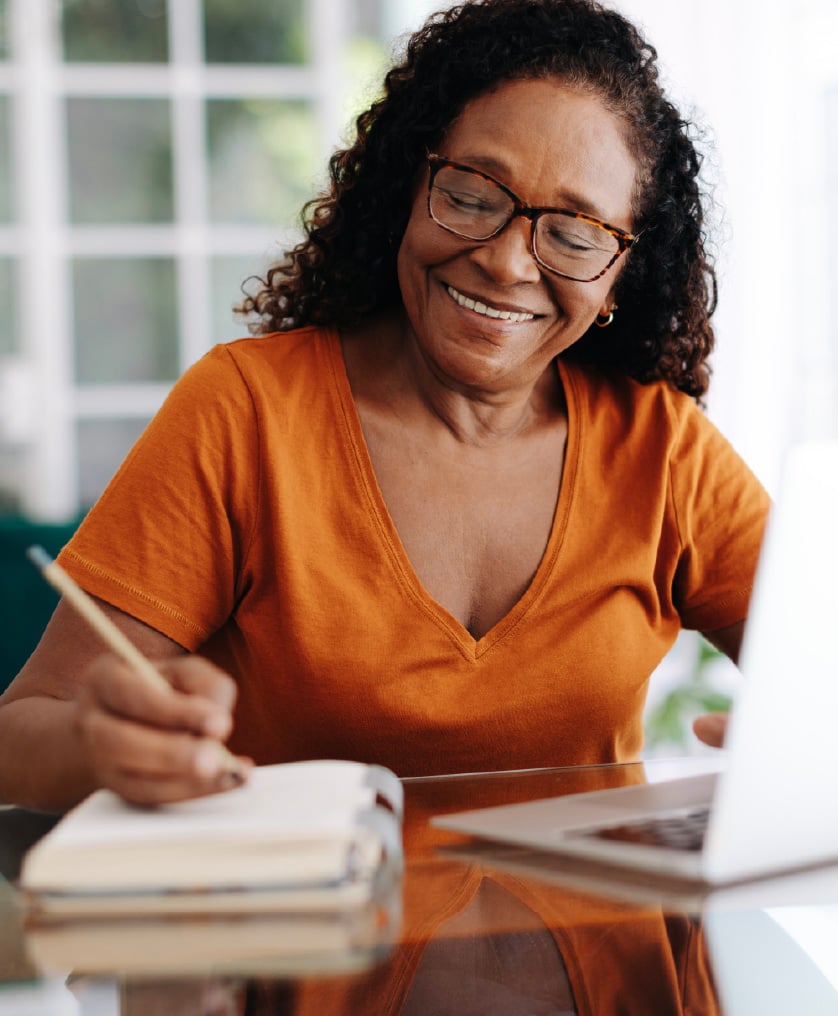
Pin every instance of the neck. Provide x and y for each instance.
(389, 372)
(479, 414)
(476, 416)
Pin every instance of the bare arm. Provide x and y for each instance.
(76, 718)
(711, 727)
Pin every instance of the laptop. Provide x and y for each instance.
(774, 804)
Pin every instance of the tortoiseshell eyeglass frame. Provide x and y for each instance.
(624, 239)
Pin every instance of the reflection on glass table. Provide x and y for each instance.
(487, 929)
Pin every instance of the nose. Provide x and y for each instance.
(508, 258)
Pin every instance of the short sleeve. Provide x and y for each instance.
(720, 509)
(166, 540)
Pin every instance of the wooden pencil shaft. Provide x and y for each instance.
(99, 621)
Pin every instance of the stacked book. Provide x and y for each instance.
(298, 868)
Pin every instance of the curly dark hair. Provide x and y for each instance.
(345, 268)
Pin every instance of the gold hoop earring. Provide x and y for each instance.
(604, 320)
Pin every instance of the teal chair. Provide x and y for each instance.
(26, 601)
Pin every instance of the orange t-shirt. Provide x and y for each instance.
(247, 524)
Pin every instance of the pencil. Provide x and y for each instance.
(114, 638)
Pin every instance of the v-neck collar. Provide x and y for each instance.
(391, 542)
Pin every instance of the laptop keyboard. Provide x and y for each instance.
(679, 831)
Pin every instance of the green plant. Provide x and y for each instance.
(670, 721)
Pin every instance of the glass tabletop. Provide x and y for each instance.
(472, 928)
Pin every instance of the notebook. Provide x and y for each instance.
(774, 805)
(296, 944)
(296, 837)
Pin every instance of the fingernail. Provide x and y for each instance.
(231, 778)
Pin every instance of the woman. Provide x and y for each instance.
(452, 511)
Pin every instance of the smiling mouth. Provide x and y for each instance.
(485, 310)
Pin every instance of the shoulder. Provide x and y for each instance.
(265, 369)
(273, 350)
(654, 434)
(620, 408)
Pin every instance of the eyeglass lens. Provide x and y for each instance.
(476, 208)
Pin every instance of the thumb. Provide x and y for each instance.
(711, 728)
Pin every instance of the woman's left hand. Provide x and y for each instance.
(711, 729)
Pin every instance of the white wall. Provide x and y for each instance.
(757, 74)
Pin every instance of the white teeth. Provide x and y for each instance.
(481, 308)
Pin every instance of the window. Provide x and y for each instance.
(153, 155)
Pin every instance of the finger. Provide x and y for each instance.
(119, 744)
(126, 757)
(711, 729)
(117, 688)
(140, 789)
(194, 675)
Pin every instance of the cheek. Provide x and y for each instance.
(410, 248)
(580, 301)
(424, 243)
(411, 267)
(407, 266)
(423, 247)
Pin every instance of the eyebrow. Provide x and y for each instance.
(488, 164)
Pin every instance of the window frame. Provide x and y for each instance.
(43, 242)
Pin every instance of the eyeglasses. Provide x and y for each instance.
(475, 206)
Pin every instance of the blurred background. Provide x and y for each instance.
(155, 153)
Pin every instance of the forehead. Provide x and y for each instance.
(552, 144)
